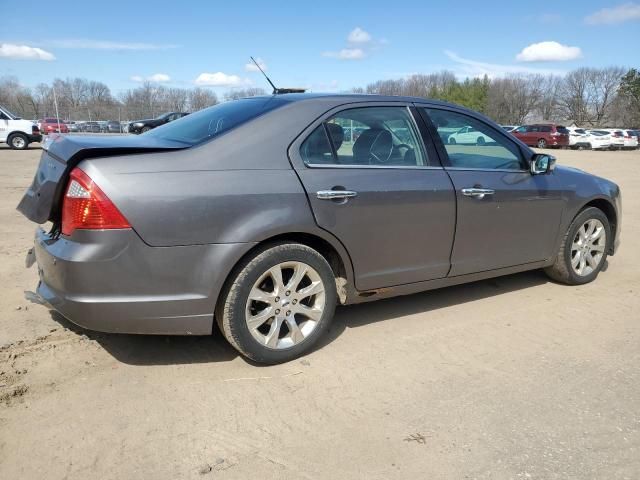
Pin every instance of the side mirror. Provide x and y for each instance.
(541, 164)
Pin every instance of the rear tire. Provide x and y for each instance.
(542, 143)
(578, 243)
(18, 141)
(480, 141)
(452, 141)
(266, 311)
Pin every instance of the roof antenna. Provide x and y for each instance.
(276, 90)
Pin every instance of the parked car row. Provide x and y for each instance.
(55, 125)
(551, 135)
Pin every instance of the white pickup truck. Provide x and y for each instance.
(17, 133)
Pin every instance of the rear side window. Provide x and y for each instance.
(545, 128)
(561, 129)
(205, 124)
(370, 136)
(472, 144)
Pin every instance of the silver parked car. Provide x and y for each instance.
(262, 215)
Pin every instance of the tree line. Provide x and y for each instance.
(590, 97)
(81, 99)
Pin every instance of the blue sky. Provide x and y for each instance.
(325, 46)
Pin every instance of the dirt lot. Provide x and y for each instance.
(510, 378)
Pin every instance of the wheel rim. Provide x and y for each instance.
(542, 144)
(285, 305)
(587, 249)
(18, 142)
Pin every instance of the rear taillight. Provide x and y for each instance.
(85, 206)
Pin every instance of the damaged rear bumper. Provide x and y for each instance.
(111, 281)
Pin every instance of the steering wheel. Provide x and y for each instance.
(404, 145)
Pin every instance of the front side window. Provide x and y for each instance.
(480, 146)
(370, 136)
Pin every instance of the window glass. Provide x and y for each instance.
(477, 146)
(545, 128)
(212, 121)
(521, 129)
(562, 129)
(371, 136)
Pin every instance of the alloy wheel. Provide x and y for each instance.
(285, 305)
(588, 247)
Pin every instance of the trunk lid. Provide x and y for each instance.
(41, 202)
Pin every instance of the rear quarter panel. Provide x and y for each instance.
(239, 187)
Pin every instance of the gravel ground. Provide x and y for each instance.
(515, 377)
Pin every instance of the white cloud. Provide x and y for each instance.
(155, 78)
(220, 79)
(548, 52)
(24, 52)
(474, 68)
(360, 44)
(159, 77)
(346, 54)
(358, 35)
(106, 45)
(251, 67)
(626, 12)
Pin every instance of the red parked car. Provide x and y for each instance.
(52, 125)
(543, 135)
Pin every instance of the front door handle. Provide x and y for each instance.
(335, 194)
(478, 193)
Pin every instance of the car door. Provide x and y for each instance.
(381, 192)
(4, 126)
(505, 216)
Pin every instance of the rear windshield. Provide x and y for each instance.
(212, 121)
(561, 129)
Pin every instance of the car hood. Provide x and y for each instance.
(41, 201)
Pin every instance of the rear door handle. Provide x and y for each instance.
(478, 193)
(335, 194)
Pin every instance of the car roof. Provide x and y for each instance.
(353, 97)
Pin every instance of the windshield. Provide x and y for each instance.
(212, 121)
(9, 114)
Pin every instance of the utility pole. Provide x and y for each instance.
(55, 102)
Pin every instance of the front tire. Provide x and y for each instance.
(18, 141)
(278, 303)
(584, 249)
(542, 143)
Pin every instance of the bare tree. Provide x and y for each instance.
(200, 98)
(243, 93)
(511, 100)
(588, 93)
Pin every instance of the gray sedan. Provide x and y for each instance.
(263, 214)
